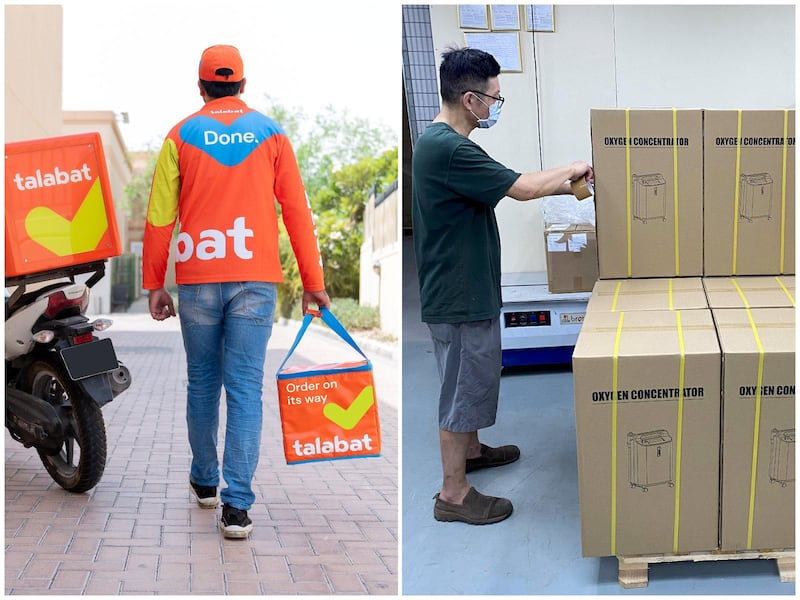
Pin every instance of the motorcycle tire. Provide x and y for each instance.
(81, 460)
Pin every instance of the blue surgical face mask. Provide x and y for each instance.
(494, 115)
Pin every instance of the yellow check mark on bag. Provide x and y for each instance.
(62, 237)
(349, 417)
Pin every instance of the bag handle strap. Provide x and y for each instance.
(338, 328)
(330, 321)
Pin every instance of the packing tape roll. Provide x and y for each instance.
(581, 188)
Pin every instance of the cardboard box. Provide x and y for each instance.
(648, 192)
(647, 387)
(59, 210)
(774, 291)
(757, 503)
(749, 168)
(571, 252)
(675, 293)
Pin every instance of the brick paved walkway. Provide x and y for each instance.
(320, 528)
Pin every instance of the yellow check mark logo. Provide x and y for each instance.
(62, 237)
(349, 417)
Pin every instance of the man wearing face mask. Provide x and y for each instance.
(455, 188)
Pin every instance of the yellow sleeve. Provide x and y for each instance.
(162, 212)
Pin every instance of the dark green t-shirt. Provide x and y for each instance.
(455, 187)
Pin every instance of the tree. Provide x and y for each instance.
(342, 159)
(137, 191)
(328, 142)
(340, 210)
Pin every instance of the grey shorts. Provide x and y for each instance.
(469, 359)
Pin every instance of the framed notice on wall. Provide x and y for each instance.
(505, 17)
(504, 46)
(473, 16)
(540, 17)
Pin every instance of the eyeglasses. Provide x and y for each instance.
(499, 99)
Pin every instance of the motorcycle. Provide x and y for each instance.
(59, 374)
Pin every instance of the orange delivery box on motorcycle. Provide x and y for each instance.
(59, 209)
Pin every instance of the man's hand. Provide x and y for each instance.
(319, 298)
(161, 306)
(581, 169)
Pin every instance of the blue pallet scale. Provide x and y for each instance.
(537, 327)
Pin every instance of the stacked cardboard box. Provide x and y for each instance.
(571, 252)
(758, 397)
(716, 447)
(754, 318)
(756, 292)
(649, 192)
(749, 172)
(647, 294)
(682, 193)
(647, 379)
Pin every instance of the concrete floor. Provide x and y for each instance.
(537, 549)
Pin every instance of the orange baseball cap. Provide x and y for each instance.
(221, 57)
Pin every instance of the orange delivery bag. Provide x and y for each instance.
(328, 411)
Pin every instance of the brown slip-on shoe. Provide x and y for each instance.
(475, 509)
(493, 457)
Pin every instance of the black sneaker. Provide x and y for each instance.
(235, 522)
(206, 495)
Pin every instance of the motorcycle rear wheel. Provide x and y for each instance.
(79, 464)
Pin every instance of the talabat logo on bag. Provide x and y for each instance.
(328, 411)
(59, 209)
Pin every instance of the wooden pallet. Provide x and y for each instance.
(633, 569)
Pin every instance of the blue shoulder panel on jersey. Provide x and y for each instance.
(229, 144)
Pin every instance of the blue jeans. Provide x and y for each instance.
(226, 327)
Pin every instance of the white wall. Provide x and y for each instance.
(714, 56)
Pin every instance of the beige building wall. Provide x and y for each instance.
(119, 173)
(33, 42)
(118, 164)
(381, 262)
(33, 72)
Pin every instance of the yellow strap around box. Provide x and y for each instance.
(785, 290)
(669, 294)
(675, 187)
(756, 425)
(737, 173)
(616, 296)
(614, 388)
(740, 292)
(679, 435)
(756, 420)
(628, 187)
(783, 187)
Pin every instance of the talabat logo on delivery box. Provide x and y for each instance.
(59, 210)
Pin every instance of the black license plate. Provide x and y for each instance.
(92, 358)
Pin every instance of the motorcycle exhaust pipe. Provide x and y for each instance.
(120, 380)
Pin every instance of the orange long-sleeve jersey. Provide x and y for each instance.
(219, 173)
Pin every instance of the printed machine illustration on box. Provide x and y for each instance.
(650, 459)
(649, 197)
(781, 458)
(755, 197)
